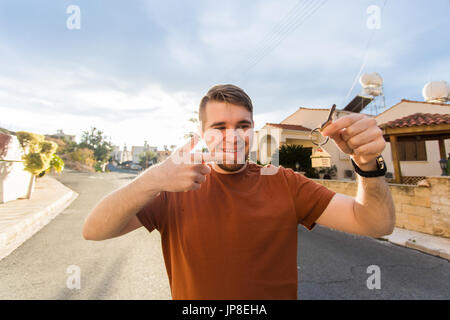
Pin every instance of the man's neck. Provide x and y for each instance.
(220, 170)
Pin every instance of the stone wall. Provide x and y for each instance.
(419, 208)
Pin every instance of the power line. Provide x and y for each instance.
(363, 64)
(277, 29)
(364, 61)
(300, 18)
(290, 22)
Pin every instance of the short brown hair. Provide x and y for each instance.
(226, 93)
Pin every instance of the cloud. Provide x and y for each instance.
(58, 102)
(137, 70)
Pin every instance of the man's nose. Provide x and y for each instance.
(232, 136)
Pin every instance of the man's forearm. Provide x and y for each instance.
(374, 207)
(115, 210)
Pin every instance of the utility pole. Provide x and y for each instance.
(146, 154)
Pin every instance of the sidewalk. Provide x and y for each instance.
(21, 219)
(434, 245)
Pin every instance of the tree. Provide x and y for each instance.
(84, 156)
(95, 141)
(146, 157)
(39, 154)
(290, 154)
(194, 121)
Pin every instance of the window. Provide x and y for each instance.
(412, 151)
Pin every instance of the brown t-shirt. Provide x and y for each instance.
(236, 236)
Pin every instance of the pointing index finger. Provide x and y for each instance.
(190, 144)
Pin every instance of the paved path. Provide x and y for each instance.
(20, 219)
(129, 267)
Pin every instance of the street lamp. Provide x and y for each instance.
(443, 163)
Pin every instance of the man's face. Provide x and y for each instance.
(228, 128)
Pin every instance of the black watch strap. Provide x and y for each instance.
(381, 171)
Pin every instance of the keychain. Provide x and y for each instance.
(319, 157)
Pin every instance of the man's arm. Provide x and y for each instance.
(115, 214)
(372, 211)
(117, 211)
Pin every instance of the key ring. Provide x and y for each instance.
(316, 131)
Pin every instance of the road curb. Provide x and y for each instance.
(14, 236)
(433, 245)
(428, 249)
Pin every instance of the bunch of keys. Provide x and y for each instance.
(321, 158)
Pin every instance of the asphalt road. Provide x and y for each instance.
(128, 267)
(334, 265)
(331, 264)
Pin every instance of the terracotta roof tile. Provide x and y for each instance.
(418, 119)
(288, 126)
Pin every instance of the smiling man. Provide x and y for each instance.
(230, 232)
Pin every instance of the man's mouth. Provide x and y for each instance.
(230, 150)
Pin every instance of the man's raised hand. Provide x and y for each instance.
(182, 171)
(359, 136)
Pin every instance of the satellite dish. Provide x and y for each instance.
(372, 84)
(436, 91)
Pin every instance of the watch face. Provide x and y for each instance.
(380, 162)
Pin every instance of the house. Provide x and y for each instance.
(296, 129)
(121, 156)
(136, 151)
(61, 135)
(15, 182)
(419, 158)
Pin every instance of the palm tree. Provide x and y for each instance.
(291, 154)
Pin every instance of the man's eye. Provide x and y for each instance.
(220, 128)
(243, 126)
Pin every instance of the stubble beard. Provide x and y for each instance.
(232, 167)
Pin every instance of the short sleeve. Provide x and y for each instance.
(310, 198)
(152, 214)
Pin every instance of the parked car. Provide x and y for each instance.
(135, 166)
(126, 164)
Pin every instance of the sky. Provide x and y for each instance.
(137, 69)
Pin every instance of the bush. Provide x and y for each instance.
(84, 156)
(62, 145)
(38, 152)
(98, 167)
(57, 164)
(48, 147)
(29, 141)
(36, 163)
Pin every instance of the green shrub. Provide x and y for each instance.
(84, 156)
(98, 166)
(39, 153)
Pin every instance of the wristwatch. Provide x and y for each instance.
(381, 171)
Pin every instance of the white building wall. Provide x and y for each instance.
(135, 152)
